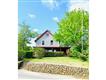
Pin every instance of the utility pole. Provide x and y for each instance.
(82, 30)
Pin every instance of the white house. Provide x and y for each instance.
(46, 41)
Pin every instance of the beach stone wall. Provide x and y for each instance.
(77, 72)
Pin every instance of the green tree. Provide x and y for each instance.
(24, 36)
(73, 30)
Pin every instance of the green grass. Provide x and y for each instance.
(61, 60)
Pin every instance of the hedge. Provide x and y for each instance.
(54, 54)
(29, 54)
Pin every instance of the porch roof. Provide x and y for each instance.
(53, 47)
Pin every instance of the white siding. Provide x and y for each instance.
(47, 41)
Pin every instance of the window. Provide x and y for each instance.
(43, 43)
(51, 42)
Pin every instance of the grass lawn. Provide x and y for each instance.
(61, 60)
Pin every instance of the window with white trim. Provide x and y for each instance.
(51, 42)
(43, 43)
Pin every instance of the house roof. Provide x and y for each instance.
(42, 35)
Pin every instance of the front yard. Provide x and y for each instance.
(61, 60)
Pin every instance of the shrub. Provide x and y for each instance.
(24, 53)
(54, 54)
(74, 53)
(38, 52)
(84, 55)
(29, 54)
(87, 53)
(21, 55)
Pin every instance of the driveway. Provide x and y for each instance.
(24, 74)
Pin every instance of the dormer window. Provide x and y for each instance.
(43, 43)
(51, 42)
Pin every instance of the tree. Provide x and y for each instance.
(73, 30)
(24, 36)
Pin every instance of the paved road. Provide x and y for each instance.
(24, 74)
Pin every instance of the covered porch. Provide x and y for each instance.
(57, 49)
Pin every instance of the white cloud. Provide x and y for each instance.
(35, 30)
(76, 4)
(55, 19)
(31, 15)
(51, 4)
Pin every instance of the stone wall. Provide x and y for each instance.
(77, 72)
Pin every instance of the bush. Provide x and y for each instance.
(29, 54)
(21, 55)
(84, 55)
(38, 52)
(74, 53)
(54, 54)
(24, 53)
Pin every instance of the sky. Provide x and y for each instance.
(43, 15)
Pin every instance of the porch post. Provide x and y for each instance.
(60, 49)
(52, 50)
(67, 51)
